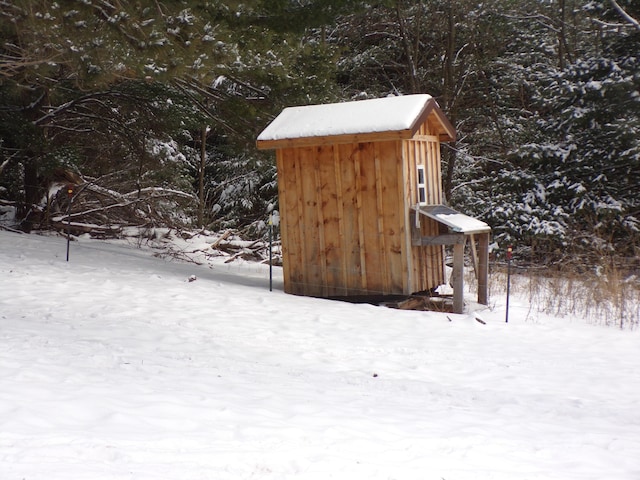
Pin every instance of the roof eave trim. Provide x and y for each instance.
(449, 132)
(391, 135)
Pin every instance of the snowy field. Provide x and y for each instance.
(115, 366)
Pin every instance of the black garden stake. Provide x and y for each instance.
(70, 195)
(509, 255)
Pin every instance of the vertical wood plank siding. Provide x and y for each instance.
(427, 262)
(351, 242)
(346, 221)
(340, 270)
(284, 196)
(330, 196)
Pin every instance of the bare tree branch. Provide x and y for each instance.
(3, 165)
(625, 15)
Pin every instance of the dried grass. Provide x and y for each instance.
(607, 296)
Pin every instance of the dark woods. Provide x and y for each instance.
(151, 109)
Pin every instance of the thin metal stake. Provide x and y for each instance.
(509, 254)
(270, 252)
(70, 195)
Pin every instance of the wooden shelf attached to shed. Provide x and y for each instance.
(460, 228)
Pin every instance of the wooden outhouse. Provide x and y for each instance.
(360, 199)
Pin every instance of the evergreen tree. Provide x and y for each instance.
(281, 58)
(69, 69)
(565, 179)
(150, 95)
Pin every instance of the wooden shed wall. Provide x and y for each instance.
(426, 262)
(343, 219)
(346, 216)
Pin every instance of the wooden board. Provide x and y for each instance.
(330, 223)
(351, 139)
(427, 262)
(351, 240)
(373, 251)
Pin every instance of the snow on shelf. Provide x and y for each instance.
(456, 221)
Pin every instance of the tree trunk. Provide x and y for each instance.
(203, 164)
(411, 63)
(25, 211)
(565, 53)
(561, 35)
(448, 93)
(450, 154)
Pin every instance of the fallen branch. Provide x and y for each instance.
(9, 229)
(223, 237)
(78, 228)
(94, 210)
(165, 192)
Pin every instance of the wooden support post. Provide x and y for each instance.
(483, 269)
(474, 253)
(458, 278)
(445, 239)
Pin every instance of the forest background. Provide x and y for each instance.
(150, 109)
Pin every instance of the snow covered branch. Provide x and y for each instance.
(161, 191)
(625, 15)
(3, 165)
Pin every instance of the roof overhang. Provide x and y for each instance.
(374, 120)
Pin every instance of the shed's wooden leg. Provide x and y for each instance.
(474, 253)
(483, 269)
(458, 278)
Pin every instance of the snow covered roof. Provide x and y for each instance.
(389, 118)
(456, 221)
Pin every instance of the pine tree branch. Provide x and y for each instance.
(91, 97)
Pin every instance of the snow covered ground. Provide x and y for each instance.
(115, 366)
